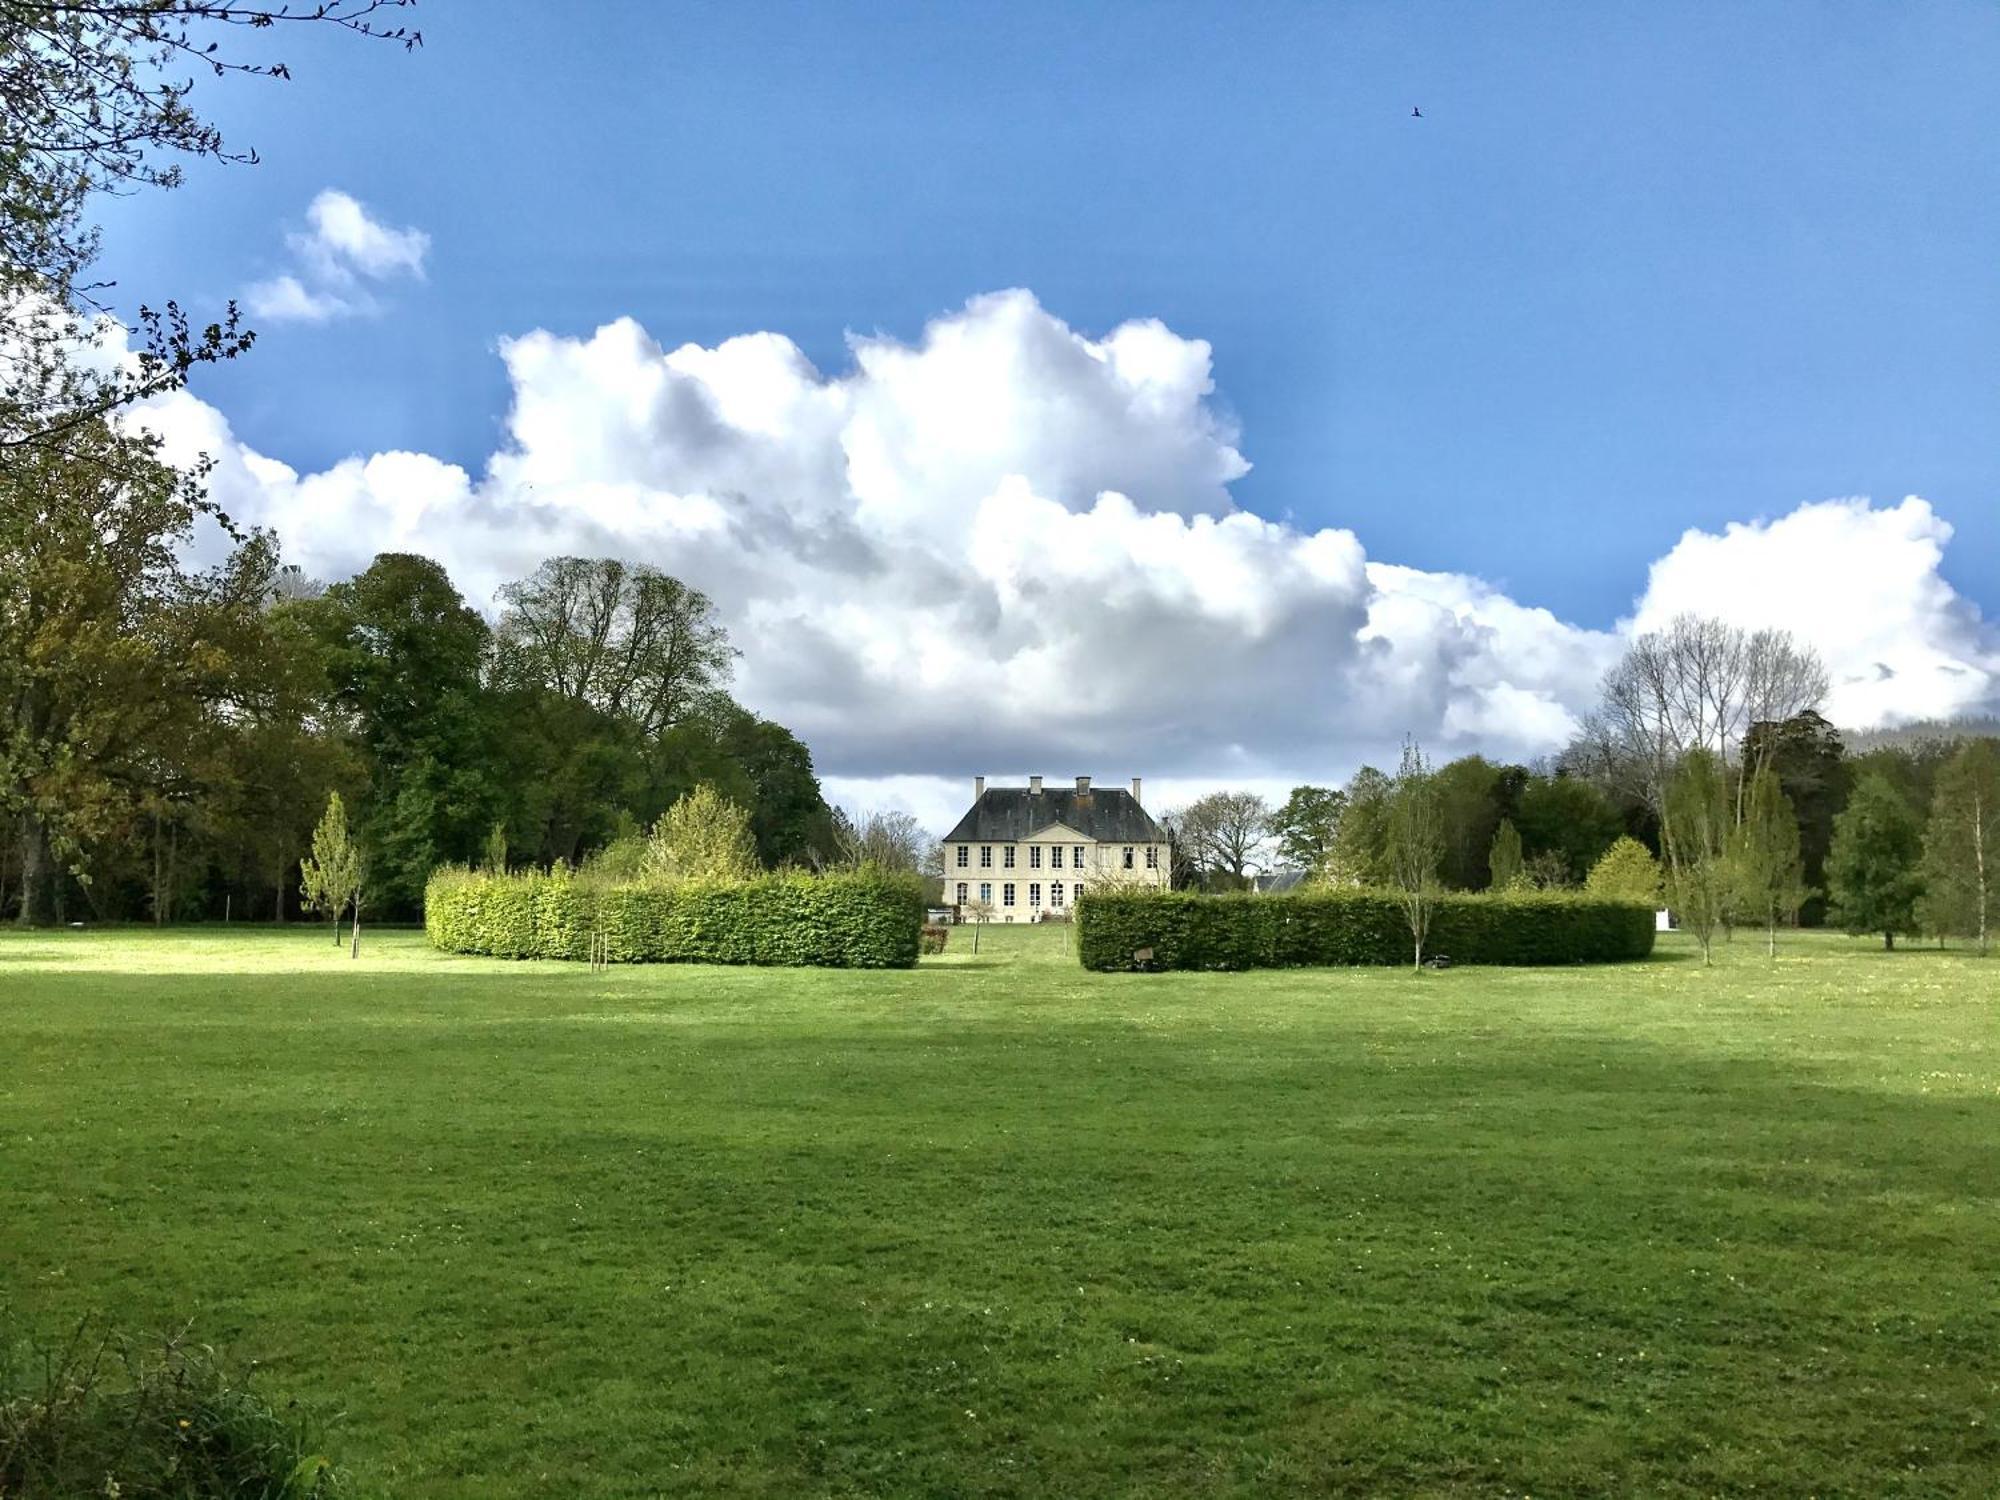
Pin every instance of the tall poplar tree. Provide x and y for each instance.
(1961, 863)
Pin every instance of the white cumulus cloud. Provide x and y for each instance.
(343, 250)
(1861, 583)
(1007, 546)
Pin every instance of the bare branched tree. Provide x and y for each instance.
(884, 840)
(1700, 684)
(1221, 835)
(628, 641)
(1416, 843)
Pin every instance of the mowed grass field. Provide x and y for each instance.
(1000, 1227)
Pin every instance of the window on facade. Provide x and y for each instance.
(964, 855)
(985, 856)
(1007, 894)
(1128, 859)
(1076, 857)
(1034, 856)
(1007, 858)
(1152, 856)
(1079, 890)
(985, 893)
(1035, 895)
(1055, 894)
(1055, 857)
(961, 893)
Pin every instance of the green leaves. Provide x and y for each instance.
(1184, 930)
(860, 921)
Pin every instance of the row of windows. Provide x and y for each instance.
(1055, 857)
(1007, 893)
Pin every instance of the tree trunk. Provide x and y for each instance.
(355, 950)
(158, 918)
(1979, 861)
(37, 874)
(1888, 942)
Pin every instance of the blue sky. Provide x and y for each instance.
(1638, 268)
(1602, 332)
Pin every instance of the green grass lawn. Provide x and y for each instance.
(1000, 1227)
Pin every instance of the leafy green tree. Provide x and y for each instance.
(1697, 822)
(1961, 861)
(119, 665)
(1767, 876)
(1305, 826)
(1806, 754)
(1568, 818)
(1872, 868)
(1471, 799)
(1416, 843)
(1361, 838)
(789, 815)
(405, 655)
(1504, 861)
(330, 876)
(704, 836)
(1627, 871)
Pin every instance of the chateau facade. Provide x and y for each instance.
(1023, 853)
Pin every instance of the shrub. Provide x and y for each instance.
(101, 1416)
(863, 921)
(1627, 872)
(932, 938)
(1185, 930)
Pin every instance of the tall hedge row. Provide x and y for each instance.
(1185, 930)
(836, 921)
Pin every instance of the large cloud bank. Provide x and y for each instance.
(1011, 545)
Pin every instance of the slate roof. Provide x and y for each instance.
(1010, 814)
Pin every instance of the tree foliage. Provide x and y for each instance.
(1961, 859)
(1766, 874)
(330, 876)
(1504, 864)
(1305, 827)
(1627, 871)
(1697, 821)
(120, 666)
(703, 836)
(1872, 870)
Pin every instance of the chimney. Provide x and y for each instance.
(1035, 785)
(1083, 783)
(978, 787)
(1135, 789)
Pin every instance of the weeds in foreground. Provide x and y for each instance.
(102, 1414)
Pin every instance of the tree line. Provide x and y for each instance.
(1708, 778)
(172, 732)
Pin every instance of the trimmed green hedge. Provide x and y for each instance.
(835, 921)
(1186, 930)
